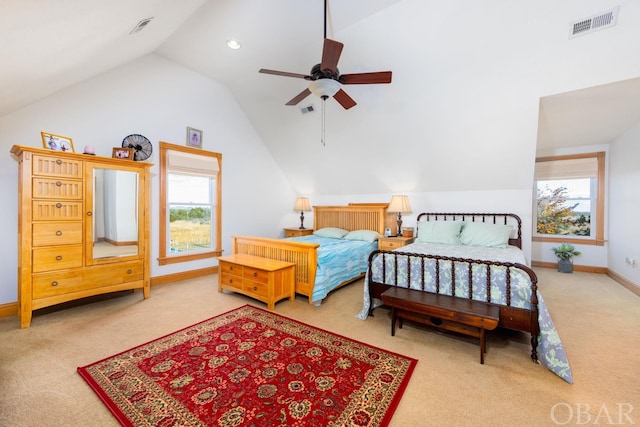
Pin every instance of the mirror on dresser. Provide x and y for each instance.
(114, 213)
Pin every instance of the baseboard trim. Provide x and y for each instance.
(9, 309)
(576, 267)
(183, 275)
(624, 282)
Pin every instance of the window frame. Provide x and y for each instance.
(164, 257)
(598, 240)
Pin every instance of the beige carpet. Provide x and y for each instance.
(598, 321)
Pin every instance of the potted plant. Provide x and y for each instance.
(565, 253)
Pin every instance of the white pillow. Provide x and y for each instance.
(364, 235)
(336, 233)
(487, 235)
(439, 232)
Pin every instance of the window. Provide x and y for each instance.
(190, 204)
(569, 199)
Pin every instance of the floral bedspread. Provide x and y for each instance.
(551, 352)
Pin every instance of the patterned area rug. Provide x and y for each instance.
(252, 367)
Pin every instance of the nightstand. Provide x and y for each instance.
(395, 242)
(297, 232)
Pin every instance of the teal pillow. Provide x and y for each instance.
(447, 232)
(487, 235)
(333, 232)
(365, 235)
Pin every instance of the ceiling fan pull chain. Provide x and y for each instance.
(322, 140)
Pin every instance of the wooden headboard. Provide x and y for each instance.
(492, 218)
(352, 217)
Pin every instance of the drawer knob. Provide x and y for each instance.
(59, 258)
(129, 271)
(58, 205)
(58, 162)
(255, 274)
(89, 213)
(231, 268)
(255, 288)
(58, 184)
(54, 283)
(58, 233)
(230, 281)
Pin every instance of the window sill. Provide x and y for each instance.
(566, 239)
(186, 258)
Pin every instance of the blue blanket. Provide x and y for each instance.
(339, 260)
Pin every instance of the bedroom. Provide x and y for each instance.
(479, 112)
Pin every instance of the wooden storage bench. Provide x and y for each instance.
(461, 315)
(267, 280)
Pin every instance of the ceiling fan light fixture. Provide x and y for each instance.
(324, 88)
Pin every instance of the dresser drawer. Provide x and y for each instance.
(61, 210)
(255, 275)
(48, 188)
(56, 166)
(56, 233)
(56, 258)
(231, 280)
(226, 267)
(69, 281)
(256, 288)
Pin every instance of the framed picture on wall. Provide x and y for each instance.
(57, 142)
(122, 153)
(194, 138)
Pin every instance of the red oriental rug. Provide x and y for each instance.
(251, 367)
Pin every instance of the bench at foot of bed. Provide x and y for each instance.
(464, 316)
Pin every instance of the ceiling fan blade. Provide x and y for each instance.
(331, 55)
(284, 73)
(343, 99)
(299, 97)
(366, 78)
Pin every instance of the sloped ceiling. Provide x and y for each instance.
(457, 67)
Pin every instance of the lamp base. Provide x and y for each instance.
(399, 232)
(301, 221)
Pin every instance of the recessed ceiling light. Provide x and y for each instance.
(233, 44)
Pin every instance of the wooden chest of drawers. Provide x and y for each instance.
(264, 279)
(61, 220)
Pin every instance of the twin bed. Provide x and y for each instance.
(467, 255)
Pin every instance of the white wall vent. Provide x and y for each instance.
(593, 23)
(307, 109)
(140, 25)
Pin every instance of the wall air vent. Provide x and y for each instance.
(141, 25)
(593, 23)
(307, 109)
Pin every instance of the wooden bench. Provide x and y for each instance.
(461, 315)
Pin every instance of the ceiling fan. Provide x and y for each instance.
(326, 80)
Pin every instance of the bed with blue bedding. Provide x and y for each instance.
(337, 252)
(485, 264)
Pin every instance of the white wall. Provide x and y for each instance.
(159, 99)
(624, 205)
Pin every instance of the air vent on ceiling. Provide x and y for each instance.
(141, 25)
(307, 109)
(593, 23)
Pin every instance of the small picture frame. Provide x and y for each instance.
(55, 142)
(194, 138)
(122, 153)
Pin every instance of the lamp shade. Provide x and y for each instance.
(302, 205)
(399, 204)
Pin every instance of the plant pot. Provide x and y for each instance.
(565, 266)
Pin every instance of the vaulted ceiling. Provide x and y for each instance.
(49, 46)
